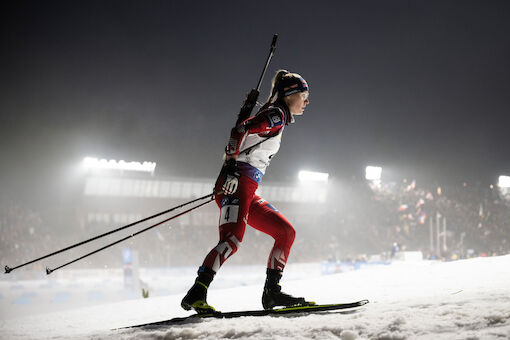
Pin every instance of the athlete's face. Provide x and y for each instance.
(297, 102)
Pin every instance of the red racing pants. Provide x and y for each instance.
(245, 207)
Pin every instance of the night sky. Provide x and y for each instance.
(418, 87)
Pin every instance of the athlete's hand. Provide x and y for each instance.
(232, 177)
(230, 185)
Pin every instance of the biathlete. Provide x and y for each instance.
(251, 146)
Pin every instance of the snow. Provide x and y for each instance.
(467, 299)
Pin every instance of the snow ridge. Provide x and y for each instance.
(422, 300)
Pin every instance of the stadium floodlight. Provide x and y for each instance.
(504, 182)
(373, 173)
(312, 176)
(95, 163)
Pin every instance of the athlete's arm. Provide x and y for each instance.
(267, 122)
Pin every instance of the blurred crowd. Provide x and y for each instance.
(360, 219)
(449, 222)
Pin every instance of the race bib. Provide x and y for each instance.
(229, 213)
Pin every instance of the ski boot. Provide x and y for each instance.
(196, 298)
(273, 295)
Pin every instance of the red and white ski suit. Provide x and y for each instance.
(244, 206)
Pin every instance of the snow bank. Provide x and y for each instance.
(419, 300)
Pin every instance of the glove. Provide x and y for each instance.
(232, 177)
(230, 185)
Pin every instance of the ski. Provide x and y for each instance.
(254, 313)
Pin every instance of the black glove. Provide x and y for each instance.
(232, 177)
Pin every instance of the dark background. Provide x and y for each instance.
(420, 88)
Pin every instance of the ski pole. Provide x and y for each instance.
(49, 271)
(8, 269)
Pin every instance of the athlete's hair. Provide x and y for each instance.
(283, 77)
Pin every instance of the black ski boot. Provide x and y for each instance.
(273, 295)
(196, 298)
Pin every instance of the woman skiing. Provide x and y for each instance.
(251, 146)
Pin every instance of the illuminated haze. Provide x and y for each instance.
(419, 88)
